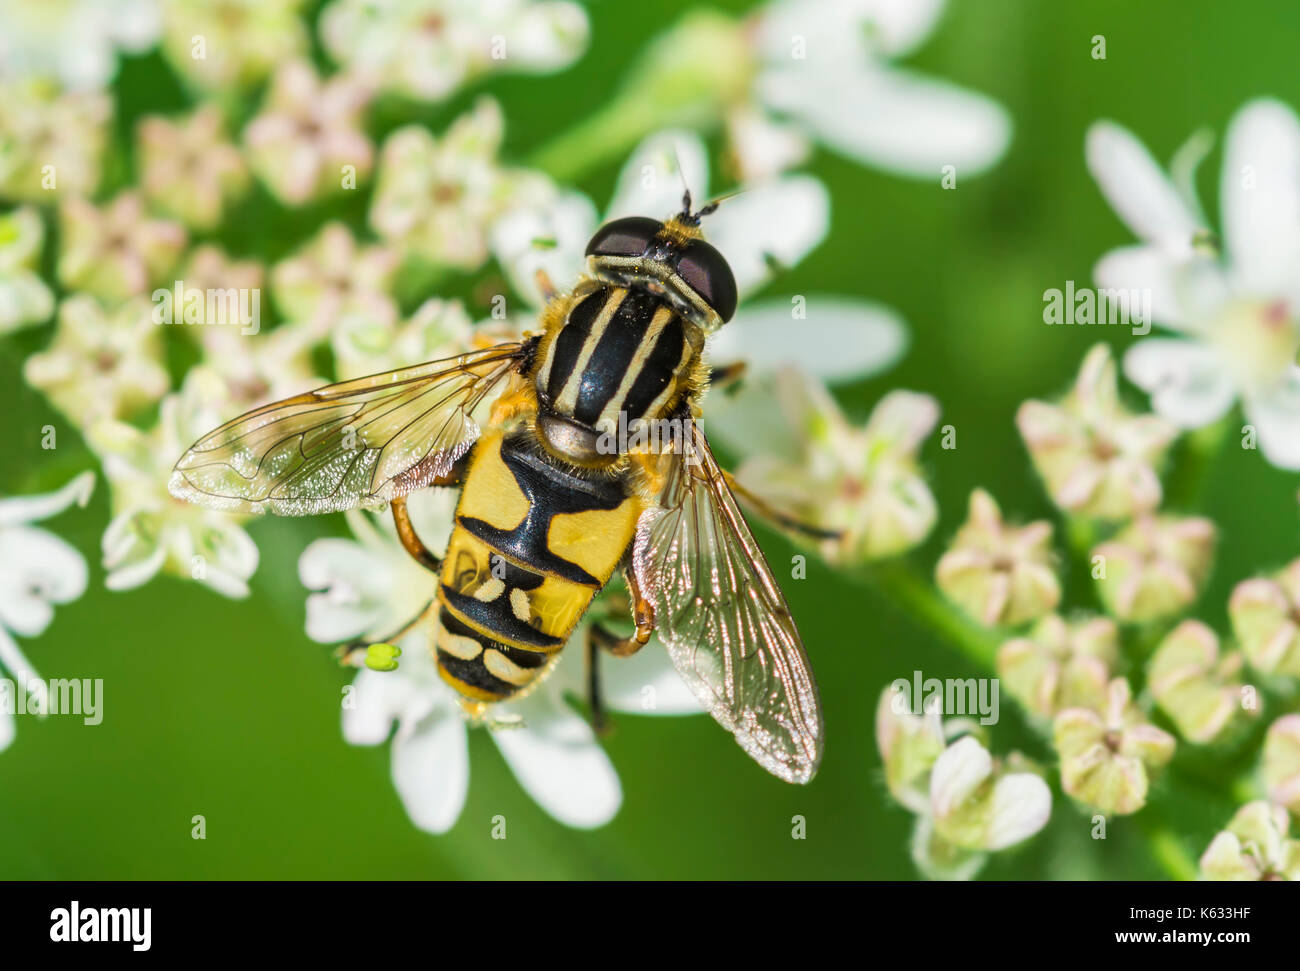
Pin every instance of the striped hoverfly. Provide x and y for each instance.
(548, 509)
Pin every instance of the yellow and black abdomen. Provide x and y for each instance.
(532, 545)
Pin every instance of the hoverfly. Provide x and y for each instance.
(546, 514)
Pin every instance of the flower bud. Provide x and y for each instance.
(1106, 756)
(1255, 846)
(1060, 664)
(999, 574)
(1154, 567)
(1282, 762)
(1096, 458)
(978, 804)
(1193, 685)
(1264, 614)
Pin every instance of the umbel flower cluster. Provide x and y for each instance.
(118, 224)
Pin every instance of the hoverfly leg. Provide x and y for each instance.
(410, 541)
(773, 515)
(599, 638)
(724, 377)
(546, 285)
(353, 653)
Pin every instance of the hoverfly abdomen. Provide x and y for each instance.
(531, 546)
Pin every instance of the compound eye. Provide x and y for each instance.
(629, 236)
(706, 271)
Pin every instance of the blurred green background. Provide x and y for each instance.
(225, 709)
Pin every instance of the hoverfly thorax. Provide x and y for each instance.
(631, 335)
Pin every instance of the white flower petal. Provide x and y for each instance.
(781, 220)
(1261, 199)
(1187, 382)
(846, 29)
(898, 120)
(1022, 804)
(381, 698)
(839, 340)
(646, 684)
(135, 572)
(1276, 416)
(1132, 269)
(354, 580)
(431, 769)
(556, 759)
(30, 509)
(651, 182)
(1138, 189)
(957, 773)
(551, 238)
(37, 570)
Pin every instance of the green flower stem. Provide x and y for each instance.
(600, 139)
(687, 77)
(1081, 536)
(916, 595)
(1188, 479)
(1168, 850)
(1244, 789)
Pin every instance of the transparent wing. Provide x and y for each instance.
(355, 443)
(725, 622)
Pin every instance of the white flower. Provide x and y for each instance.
(438, 197)
(25, 298)
(151, 531)
(37, 570)
(100, 365)
(979, 805)
(828, 67)
(187, 168)
(73, 41)
(1238, 314)
(426, 49)
(863, 483)
(369, 587)
(221, 44)
(331, 278)
(51, 142)
(308, 132)
(437, 329)
(262, 367)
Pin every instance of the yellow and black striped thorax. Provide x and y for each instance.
(618, 350)
(532, 545)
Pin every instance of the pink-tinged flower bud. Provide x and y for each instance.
(1265, 615)
(1107, 756)
(999, 574)
(188, 169)
(308, 141)
(1195, 686)
(1096, 458)
(1060, 664)
(1282, 762)
(1255, 846)
(1154, 567)
(116, 251)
